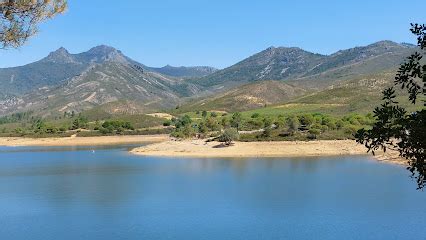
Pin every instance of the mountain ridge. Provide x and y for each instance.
(293, 63)
(78, 82)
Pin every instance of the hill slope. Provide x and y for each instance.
(309, 70)
(103, 76)
(247, 97)
(184, 72)
(108, 76)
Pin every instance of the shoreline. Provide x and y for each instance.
(200, 148)
(81, 141)
(320, 148)
(164, 146)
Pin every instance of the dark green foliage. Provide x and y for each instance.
(80, 122)
(204, 114)
(255, 115)
(181, 122)
(167, 123)
(395, 127)
(117, 126)
(236, 120)
(183, 127)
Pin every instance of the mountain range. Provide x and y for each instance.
(103, 75)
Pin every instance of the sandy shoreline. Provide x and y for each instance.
(82, 141)
(164, 146)
(200, 148)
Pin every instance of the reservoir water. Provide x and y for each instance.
(106, 193)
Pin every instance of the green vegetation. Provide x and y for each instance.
(20, 19)
(115, 126)
(256, 126)
(30, 125)
(16, 117)
(228, 136)
(396, 127)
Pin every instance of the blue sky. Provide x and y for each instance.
(218, 33)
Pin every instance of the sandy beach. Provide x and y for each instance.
(200, 148)
(82, 141)
(164, 146)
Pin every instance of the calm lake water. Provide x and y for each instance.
(77, 193)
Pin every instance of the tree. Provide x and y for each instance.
(293, 123)
(79, 122)
(228, 136)
(39, 126)
(267, 124)
(236, 120)
(395, 127)
(202, 128)
(19, 19)
(204, 114)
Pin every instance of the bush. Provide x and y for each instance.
(167, 123)
(255, 115)
(204, 114)
(267, 132)
(293, 123)
(306, 119)
(314, 131)
(350, 129)
(79, 122)
(115, 125)
(228, 136)
(182, 121)
(186, 131)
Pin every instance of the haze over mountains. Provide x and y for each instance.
(78, 82)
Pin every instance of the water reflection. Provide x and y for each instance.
(67, 148)
(85, 195)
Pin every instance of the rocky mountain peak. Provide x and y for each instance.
(103, 53)
(61, 55)
(102, 50)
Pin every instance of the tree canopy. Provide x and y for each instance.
(395, 127)
(19, 19)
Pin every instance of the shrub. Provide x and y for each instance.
(350, 129)
(115, 125)
(293, 123)
(306, 119)
(79, 122)
(167, 123)
(228, 136)
(267, 132)
(182, 121)
(255, 115)
(314, 131)
(204, 114)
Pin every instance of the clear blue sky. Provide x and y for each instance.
(218, 32)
